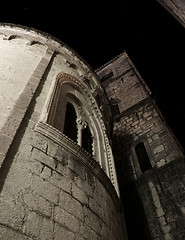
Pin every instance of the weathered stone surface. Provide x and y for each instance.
(150, 198)
(12, 214)
(66, 219)
(61, 231)
(10, 234)
(32, 225)
(45, 189)
(79, 194)
(38, 204)
(71, 205)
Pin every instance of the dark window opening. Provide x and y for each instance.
(70, 126)
(142, 157)
(115, 106)
(115, 110)
(87, 140)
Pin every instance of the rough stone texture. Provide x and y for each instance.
(21, 65)
(50, 187)
(154, 200)
(49, 190)
(143, 123)
(127, 85)
(20, 85)
(46, 199)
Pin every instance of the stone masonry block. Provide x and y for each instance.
(79, 194)
(60, 231)
(77, 167)
(71, 205)
(158, 149)
(37, 141)
(66, 219)
(43, 158)
(61, 156)
(96, 207)
(61, 182)
(52, 148)
(106, 231)
(46, 231)
(38, 204)
(31, 165)
(86, 186)
(98, 198)
(12, 214)
(20, 177)
(63, 170)
(92, 220)
(88, 232)
(32, 225)
(46, 172)
(10, 234)
(45, 189)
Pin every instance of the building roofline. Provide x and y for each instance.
(112, 60)
(48, 37)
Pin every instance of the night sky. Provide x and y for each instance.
(100, 30)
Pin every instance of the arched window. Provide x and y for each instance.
(70, 126)
(87, 140)
(143, 158)
(72, 110)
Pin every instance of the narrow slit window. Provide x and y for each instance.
(70, 126)
(87, 140)
(143, 158)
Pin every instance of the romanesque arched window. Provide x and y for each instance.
(142, 157)
(72, 118)
(69, 113)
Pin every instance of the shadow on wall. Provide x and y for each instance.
(135, 216)
(136, 222)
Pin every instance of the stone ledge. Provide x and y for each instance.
(83, 156)
(157, 172)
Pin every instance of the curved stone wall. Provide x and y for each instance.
(51, 188)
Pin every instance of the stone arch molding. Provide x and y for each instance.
(69, 89)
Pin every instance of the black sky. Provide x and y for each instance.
(100, 30)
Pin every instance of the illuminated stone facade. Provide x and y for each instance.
(58, 178)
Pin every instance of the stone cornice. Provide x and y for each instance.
(83, 156)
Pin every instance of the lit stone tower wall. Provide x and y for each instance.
(149, 160)
(57, 174)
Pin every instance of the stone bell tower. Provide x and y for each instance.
(149, 161)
